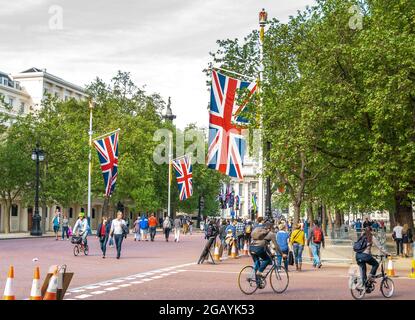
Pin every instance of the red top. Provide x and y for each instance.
(152, 222)
(102, 232)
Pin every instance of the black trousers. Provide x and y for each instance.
(167, 232)
(362, 259)
(399, 246)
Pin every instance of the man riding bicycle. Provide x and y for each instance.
(81, 227)
(262, 236)
(363, 249)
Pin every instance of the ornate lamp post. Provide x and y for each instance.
(170, 117)
(201, 207)
(38, 156)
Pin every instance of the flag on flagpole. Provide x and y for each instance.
(184, 176)
(107, 149)
(226, 142)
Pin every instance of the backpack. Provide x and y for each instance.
(248, 228)
(317, 235)
(360, 245)
(211, 232)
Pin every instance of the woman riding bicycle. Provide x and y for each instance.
(262, 236)
(364, 254)
(81, 227)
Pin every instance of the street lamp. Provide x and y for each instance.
(38, 156)
(170, 117)
(201, 207)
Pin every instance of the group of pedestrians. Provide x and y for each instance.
(403, 237)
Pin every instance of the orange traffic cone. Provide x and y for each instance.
(216, 254)
(412, 274)
(391, 270)
(52, 291)
(8, 290)
(35, 293)
(246, 250)
(233, 251)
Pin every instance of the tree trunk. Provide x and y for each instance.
(310, 212)
(44, 213)
(391, 219)
(403, 212)
(6, 219)
(297, 209)
(324, 219)
(338, 222)
(105, 207)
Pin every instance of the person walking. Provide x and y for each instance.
(103, 232)
(177, 226)
(397, 236)
(152, 224)
(222, 237)
(144, 227)
(240, 228)
(111, 237)
(358, 228)
(56, 223)
(137, 232)
(282, 238)
(306, 227)
(119, 230)
(65, 227)
(315, 241)
(406, 240)
(185, 225)
(190, 226)
(166, 227)
(248, 231)
(297, 240)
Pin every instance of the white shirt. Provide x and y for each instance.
(116, 226)
(398, 232)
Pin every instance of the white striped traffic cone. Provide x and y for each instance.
(52, 291)
(246, 250)
(35, 293)
(391, 270)
(8, 290)
(233, 251)
(216, 255)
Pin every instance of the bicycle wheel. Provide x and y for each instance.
(86, 250)
(357, 290)
(279, 279)
(387, 287)
(75, 250)
(247, 280)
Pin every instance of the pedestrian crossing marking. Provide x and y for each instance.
(83, 296)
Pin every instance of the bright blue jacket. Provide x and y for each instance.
(144, 223)
(282, 240)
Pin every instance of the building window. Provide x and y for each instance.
(70, 212)
(22, 108)
(14, 210)
(253, 185)
(241, 189)
(11, 102)
(93, 213)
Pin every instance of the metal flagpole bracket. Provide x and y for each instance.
(235, 73)
(106, 134)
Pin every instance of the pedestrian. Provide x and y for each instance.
(222, 236)
(315, 240)
(367, 223)
(406, 240)
(56, 223)
(190, 226)
(185, 225)
(103, 232)
(137, 232)
(283, 239)
(119, 230)
(144, 227)
(166, 227)
(358, 228)
(297, 240)
(111, 237)
(382, 225)
(152, 224)
(240, 228)
(177, 226)
(306, 227)
(65, 227)
(397, 236)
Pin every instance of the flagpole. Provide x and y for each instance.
(91, 106)
(170, 161)
(106, 134)
(235, 73)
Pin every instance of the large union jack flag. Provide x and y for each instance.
(107, 149)
(226, 142)
(183, 169)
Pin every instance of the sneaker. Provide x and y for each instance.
(320, 265)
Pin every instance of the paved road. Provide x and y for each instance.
(161, 270)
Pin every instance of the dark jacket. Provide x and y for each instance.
(107, 229)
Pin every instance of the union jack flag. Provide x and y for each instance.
(107, 149)
(183, 169)
(226, 142)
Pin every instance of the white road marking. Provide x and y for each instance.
(111, 289)
(98, 292)
(147, 279)
(117, 281)
(83, 296)
(156, 277)
(107, 284)
(77, 290)
(136, 282)
(125, 285)
(92, 287)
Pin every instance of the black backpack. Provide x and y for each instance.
(360, 245)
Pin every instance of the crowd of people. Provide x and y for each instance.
(290, 238)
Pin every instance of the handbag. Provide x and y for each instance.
(290, 258)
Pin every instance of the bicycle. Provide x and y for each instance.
(387, 287)
(79, 246)
(249, 281)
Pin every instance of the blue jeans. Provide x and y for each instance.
(103, 243)
(65, 230)
(260, 257)
(118, 242)
(298, 253)
(362, 259)
(315, 249)
(279, 259)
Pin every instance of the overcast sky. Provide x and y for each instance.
(163, 43)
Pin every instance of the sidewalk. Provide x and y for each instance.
(23, 235)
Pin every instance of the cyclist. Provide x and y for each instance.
(262, 236)
(81, 227)
(363, 249)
